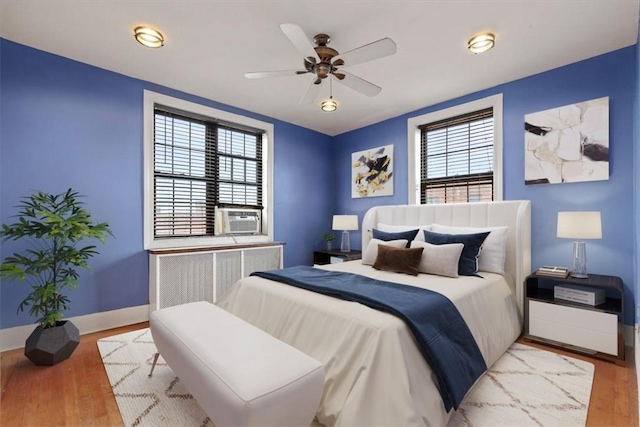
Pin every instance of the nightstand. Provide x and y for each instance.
(595, 330)
(335, 255)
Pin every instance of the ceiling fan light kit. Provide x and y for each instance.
(148, 36)
(481, 43)
(329, 105)
(324, 61)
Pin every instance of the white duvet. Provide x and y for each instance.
(374, 373)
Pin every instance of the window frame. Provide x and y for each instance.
(414, 134)
(150, 100)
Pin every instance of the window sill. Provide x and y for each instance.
(205, 242)
(213, 248)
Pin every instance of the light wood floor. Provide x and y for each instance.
(76, 392)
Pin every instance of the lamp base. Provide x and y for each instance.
(579, 270)
(345, 245)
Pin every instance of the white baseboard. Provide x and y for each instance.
(629, 332)
(12, 338)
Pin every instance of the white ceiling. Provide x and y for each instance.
(211, 44)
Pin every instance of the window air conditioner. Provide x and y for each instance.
(237, 221)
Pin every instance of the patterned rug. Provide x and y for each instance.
(526, 387)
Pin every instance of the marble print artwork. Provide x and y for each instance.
(568, 144)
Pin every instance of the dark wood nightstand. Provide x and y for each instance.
(324, 257)
(591, 329)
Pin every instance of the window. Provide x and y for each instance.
(456, 159)
(455, 154)
(196, 159)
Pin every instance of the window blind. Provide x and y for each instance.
(198, 165)
(456, 159)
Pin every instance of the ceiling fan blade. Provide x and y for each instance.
(374, 50)
(311, 94)
(299, 40)
(359, 85)
(263, 74)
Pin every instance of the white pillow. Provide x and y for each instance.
(371, 253)
(398, 228)
(441, 260)
(494, 249)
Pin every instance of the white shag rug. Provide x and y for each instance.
(526, 387)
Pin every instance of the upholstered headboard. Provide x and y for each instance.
(515, 214)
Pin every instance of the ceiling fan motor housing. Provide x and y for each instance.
(325, 53)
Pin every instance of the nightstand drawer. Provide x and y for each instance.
(589, 329)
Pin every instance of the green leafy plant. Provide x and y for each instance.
(55, 225)
(328, 237)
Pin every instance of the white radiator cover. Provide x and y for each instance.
(178, 278)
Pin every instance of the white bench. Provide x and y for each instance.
(239, 374)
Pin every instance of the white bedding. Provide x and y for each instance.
(374, 373)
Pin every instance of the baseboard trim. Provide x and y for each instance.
(629, 332)
(12, 338)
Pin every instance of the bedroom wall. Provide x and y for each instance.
(67, 124)
(636, 184)
(613, 75)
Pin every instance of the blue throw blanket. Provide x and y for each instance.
(442, 335)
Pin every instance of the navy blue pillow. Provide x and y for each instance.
(386, 236)
(468, 263)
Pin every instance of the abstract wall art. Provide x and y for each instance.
(567, 144)
(372, 172)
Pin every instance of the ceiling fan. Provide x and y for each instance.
(323, 62)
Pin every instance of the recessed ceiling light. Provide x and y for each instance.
(481, 43)
(329, 105)
(149, 37)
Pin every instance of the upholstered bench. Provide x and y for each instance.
(239, 374)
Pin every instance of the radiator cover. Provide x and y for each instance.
(182, 277)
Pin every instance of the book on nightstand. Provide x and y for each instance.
(551, 271)
(580, 294)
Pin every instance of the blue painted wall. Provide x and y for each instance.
(636, 181)
(613, 75)
(67, 124)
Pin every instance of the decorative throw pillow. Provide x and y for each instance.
(397, 228)
(399, 260)
(408, 235)
(494, 249)
(371, 253)
(468, 264)
(441, 260)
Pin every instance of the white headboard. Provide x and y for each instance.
(516, 214)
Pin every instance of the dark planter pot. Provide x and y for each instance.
(48, 346)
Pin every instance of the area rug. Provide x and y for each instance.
(526, 387)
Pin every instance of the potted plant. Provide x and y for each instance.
(55, 226)
(329, 237)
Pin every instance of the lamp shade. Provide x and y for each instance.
(580, 225)
(345, 222)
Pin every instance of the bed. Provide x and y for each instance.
(375, 374)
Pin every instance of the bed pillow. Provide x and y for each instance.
(468, 264)
(408, 235)
(371, 253)
(494, 249)
(396, 228)
(398, 260)
(441, 260)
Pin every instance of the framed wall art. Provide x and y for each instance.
(372, 172)
(567, 144)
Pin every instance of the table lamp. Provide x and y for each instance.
(579, 225)
(345, 223)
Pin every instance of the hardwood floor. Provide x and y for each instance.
(76, 392)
